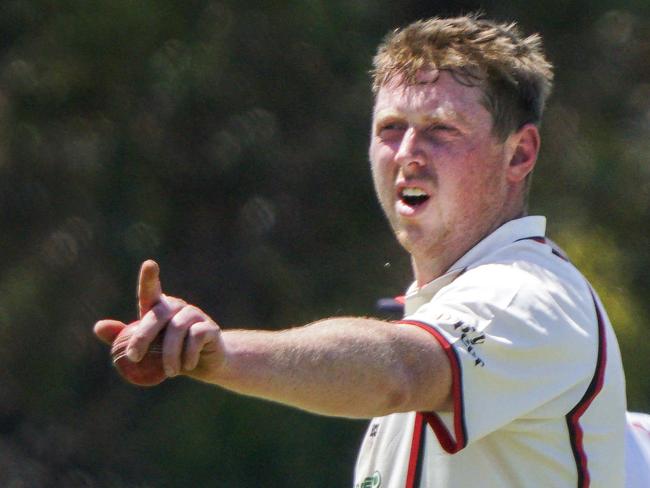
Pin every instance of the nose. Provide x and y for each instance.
(410, 152)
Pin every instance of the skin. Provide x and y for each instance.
(434, 135)
(437, 136)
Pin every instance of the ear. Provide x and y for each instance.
(525, 147)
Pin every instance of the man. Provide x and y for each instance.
(505, 370)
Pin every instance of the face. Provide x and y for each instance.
(439, 172)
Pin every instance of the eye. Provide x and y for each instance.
(436, 128)
(390, 128)
(442, 133)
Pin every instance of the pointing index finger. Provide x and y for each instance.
(149, 288)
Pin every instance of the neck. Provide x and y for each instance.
(431, 264)
(427, 270)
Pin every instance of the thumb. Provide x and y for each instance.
(149, 289)
(107, 330)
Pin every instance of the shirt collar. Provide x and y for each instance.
(511, 231)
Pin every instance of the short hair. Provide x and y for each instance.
(512, 70)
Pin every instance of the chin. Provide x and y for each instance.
(413, 239)
(421, 241)
(404, 241)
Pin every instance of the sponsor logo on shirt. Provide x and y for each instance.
(470, 337)
(373, 481)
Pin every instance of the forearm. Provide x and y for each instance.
(351, 367)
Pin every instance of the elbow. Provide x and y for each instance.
(395, 400)
(399, 393)
(416, 389)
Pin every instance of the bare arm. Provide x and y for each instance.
(351, 367)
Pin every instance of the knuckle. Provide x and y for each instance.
(193, 310)
(170, 300)
(195, 314)
(177, 325)
(160, 311)
(139, 337)
(205, 330)
(198, 332)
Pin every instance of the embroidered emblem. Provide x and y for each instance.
(373, 481)
(470, 337)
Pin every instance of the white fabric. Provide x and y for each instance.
(522, 324)
(637, 450)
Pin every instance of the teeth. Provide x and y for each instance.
(413, 192)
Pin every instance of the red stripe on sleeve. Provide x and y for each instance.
(414, 457)
(458, 441)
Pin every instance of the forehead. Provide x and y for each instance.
(435, 95)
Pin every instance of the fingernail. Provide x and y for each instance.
(132, 354)
(170, 372)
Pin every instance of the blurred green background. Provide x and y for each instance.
(227, 140)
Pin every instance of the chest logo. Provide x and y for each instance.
(373, 481)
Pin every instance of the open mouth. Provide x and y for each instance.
(413, 197)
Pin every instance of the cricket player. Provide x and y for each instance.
(505, 370)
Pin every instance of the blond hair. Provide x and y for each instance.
(512, 70)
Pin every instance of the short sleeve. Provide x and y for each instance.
(517, 347)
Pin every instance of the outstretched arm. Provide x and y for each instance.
(348, 366)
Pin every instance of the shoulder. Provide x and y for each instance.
(524, 283)
(523, 268)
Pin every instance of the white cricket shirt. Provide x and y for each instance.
(637, 450)
(538, 386)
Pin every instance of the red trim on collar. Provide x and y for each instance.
(555, 249)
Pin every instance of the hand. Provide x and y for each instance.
(192, 343)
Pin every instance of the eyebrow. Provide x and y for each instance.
(448, 116)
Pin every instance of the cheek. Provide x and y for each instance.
(380, 151)
(378, 177)
(475, 177)
(381, 160)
